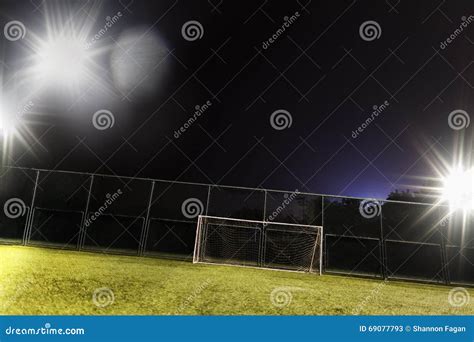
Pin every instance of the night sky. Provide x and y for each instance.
(319, 72)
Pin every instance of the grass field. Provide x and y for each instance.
(46, 281)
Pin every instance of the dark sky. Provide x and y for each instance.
(319, 70)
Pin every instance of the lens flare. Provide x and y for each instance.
(61, 56)
(63, 60)
(458, 189)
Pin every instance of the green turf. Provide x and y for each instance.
(46, 281)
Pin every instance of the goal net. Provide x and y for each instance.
(273, 245)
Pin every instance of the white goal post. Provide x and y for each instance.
(262, 244)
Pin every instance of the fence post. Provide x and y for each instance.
(265, 206)
(444, 259)
(29, 223)
(208, 199)
(323, 242)
(82, 235)
(204, 228)
(382, 248)
(261, 245)
(444, 251)
(146, 224)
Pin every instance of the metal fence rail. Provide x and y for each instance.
(153, 217)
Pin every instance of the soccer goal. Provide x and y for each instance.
(272, 245)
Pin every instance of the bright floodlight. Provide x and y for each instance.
(62, 56)
(458, 189)
(63, 60)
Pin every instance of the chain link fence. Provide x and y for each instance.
(111, 214)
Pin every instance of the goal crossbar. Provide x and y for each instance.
(261, 222)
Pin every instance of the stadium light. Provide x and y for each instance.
(458, 189)
(14, 105)
(61, 56)
(62, 60)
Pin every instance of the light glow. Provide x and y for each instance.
(458, 189)
(61, 56)
(59, 62)
(13, 107)
(8, 119)
(63, 60)
(1, 120)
